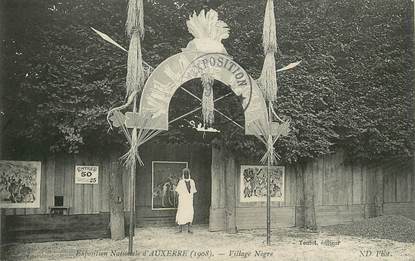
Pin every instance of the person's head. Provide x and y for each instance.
(186, 173)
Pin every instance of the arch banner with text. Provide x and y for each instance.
(188, 65)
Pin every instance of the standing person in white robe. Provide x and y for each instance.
(185, 188)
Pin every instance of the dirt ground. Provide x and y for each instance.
(165, 244)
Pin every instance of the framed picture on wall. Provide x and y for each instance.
(253, 186)
(20, 184)
(164, 178)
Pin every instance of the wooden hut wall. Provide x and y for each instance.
(58, 180)
(343, 192)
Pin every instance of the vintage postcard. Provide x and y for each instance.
(174, 130)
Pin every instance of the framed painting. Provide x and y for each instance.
(20, 184)
(164, 178)
(253, 186)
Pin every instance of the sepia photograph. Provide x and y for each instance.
(207, 130)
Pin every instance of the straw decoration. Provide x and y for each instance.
(207, 99)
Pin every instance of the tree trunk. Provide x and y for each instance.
(309, 207)
(116, 202)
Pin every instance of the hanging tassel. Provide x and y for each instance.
(268, 79)
(269, 32)
(207, 100)
(135, 17)
(135, 70)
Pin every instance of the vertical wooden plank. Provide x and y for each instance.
(78, 196)
(126, 186)
(364, 183)
(309, 195)
(413, 180)
(43, 189)
(349, 181)
(59, 174)
(69, 175)
(371, 183)
(293, 186)
(357, 183)
(116, 201)
(401, 186)
(87, 198)
(217, 172)
(318, 165)
(287, 186)
(42, 193)
(104, 184)
(95, 188)
(50, 181)
(299, 186)
(89, 189)
(379, 197)
(388, 184)
(334, 180)
(410, 187)
(230, 203)
(340, 170)
(329, 180)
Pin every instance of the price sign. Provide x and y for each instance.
(86, 174)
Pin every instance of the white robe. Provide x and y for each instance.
(185, 210)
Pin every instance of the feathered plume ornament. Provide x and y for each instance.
(269, 32)
(208, 32)
(135, 70)
(207, 100)
(267, 82)
(268, 79)
(135, 18)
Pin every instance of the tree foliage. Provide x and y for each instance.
(353, 89)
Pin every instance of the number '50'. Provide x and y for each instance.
(88, 174)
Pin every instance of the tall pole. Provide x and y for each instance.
(268, 181)
(413, 79)
(268, 206)
(132, 192)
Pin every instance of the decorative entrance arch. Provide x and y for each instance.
(204, 56)
(188, 65)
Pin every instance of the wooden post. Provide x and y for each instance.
(116, 201)
(2, 231)
(132, 189)
(216, 216)
(132, 209)
(413, 89)
(309, 207)
(269, 180)
(268, 204)
(230, 192)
